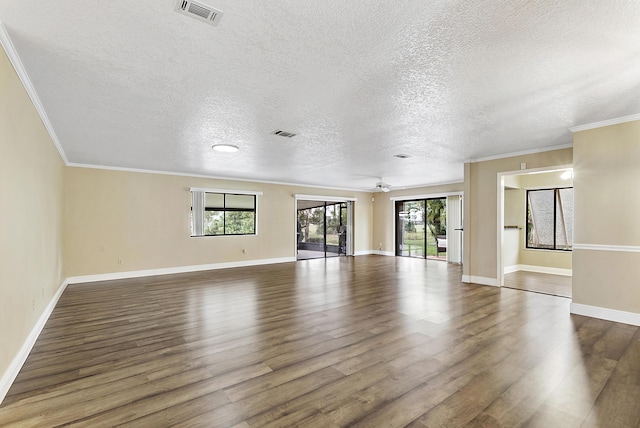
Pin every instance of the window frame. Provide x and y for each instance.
(556, 197)
(200, 193)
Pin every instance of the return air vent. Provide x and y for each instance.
(199, 11)
(284, 133)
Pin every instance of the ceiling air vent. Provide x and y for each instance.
(284, 133)
(199, 11)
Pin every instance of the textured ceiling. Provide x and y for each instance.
(137, 85)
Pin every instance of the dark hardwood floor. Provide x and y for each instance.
(556, 285)
(369, 341)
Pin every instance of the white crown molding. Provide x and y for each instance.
(7, 44)
(210, 177)
(599, 247)
(418, 186)
(168, 271)
(522, 153)
(246, 180)
(603, 123)
(623, 317)
(18, 361)
(471, 279)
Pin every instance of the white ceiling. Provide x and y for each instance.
(137, 85)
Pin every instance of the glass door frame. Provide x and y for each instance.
(398, 201)
(344, 229)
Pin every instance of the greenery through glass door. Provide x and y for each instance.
(422, 223)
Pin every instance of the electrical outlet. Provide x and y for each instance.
(523, 165)
(119, 261)
(244, 250)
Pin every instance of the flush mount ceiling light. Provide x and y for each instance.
(225, 148)
(402, 156)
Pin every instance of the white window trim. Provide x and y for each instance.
(234, 192)
(324, 198)
(204, 190)
(425, 196)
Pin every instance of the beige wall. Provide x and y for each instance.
(513, 216)
(607, 208)
(481, 206)
(383, 212)
(126, 221)
(31, 197)
(544, 180)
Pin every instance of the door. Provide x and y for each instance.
(410, 228)
(421, 228)
(333, 230)
(454, 229)
(324, 229)
(436, 230)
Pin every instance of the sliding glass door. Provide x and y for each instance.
(322, 229)
(421, 228)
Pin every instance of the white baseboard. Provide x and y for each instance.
(364, 253)
(539, 269)
(511, 269)
(631, 318)
(374, 252)
(180, 269)
(384, 253)
(18, 361)
(493, 282)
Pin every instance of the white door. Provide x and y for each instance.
(454, 229)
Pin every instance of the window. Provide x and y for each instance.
(214, 213)
(550, 219)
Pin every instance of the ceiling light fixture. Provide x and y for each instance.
(225, 148)
(402, 156)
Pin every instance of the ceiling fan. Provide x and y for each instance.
(381, 186)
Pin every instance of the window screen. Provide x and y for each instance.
(550, 219)
(222, 214)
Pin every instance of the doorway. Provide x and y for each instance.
(323, 229)
(535, 230)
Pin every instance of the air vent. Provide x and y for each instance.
(284, 133)
(199, 11)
